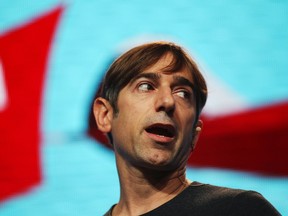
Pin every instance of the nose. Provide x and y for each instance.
(165, 101)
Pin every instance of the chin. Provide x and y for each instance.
(159, 163)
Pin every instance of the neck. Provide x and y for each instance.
(143, 190)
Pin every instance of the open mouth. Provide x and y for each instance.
(161, 130)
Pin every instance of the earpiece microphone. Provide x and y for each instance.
(198, 129)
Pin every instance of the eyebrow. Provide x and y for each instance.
(182, 81)
(148, 75)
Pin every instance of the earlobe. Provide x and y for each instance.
(103, 113)
(197, 131)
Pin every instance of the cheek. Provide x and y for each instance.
(188, 119)
(120, 134)
(125, 124)
(134, 109)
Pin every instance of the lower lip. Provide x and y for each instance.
(160, 139)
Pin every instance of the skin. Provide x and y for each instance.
(151, 167)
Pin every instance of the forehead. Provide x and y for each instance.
(165, 64)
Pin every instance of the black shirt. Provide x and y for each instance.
(204, 199)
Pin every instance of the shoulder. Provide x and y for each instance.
(232, 201)
(252, 203)
(212, 192)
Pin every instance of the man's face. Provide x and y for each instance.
(154, 126)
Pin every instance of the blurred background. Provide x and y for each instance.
(53, 55)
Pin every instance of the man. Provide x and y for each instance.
(149, 108)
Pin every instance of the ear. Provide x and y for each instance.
(196, 131)
(103, 113)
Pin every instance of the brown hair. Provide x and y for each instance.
(137, 59)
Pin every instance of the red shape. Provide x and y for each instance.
(255, 140)
(23, 52)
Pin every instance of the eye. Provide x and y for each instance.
(183, 94)
(145, 87)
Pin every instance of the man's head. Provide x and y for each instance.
(133, 62)
(151, 100)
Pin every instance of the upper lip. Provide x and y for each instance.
(167, 130)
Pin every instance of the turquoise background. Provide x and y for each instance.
(244, 44)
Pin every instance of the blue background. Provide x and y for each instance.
(244, 44)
